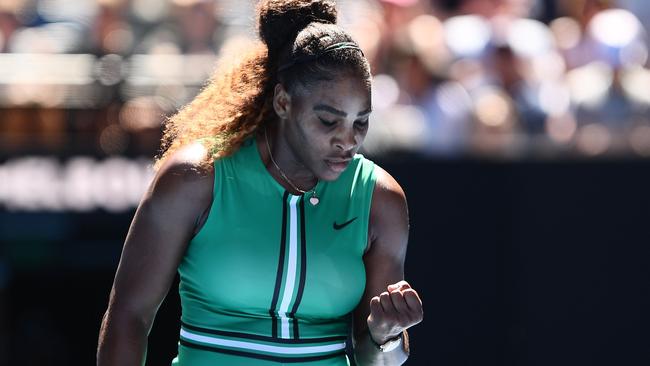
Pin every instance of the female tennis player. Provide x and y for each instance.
(285, 239)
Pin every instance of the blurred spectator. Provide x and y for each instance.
(606, 88)
(198, 23)
(112, 32)
(8, 25)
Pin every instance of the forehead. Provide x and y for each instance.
(343, 92)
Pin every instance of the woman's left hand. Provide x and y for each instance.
(393, 311)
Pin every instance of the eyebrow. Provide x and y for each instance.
(330, 109)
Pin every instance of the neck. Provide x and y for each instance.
(278, 152)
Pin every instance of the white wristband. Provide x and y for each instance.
(391, 344)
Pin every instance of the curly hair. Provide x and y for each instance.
(238, 99)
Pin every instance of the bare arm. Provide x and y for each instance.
(389, 306)
(161, 228)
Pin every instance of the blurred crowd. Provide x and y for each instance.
(496, 78)
(512, 78)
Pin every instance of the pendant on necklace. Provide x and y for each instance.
(314, 200)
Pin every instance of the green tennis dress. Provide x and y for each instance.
(271, 279)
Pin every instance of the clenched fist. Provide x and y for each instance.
(393, 311)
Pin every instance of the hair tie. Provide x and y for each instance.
(328, 49)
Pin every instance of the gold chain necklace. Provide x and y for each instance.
(314, 198)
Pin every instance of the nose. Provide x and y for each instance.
(346, 140)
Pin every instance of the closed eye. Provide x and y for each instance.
(326, 122)
(361, 124)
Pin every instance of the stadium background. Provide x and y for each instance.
(520, 130)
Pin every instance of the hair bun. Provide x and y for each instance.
(281, 20)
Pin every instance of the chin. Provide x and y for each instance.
(332, 173)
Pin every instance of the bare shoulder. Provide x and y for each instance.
(389, 211)
(387, 190)
(181, 191)
(185, 175)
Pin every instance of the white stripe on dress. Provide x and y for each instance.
(291, 267)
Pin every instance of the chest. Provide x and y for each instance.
(262, 251)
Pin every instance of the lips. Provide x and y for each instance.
(338, 164)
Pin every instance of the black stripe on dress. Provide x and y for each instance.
(256, 337)
(278, 277)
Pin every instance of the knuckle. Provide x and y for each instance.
(410, 292)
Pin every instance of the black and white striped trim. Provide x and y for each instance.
(261, 347)
(292, 265)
